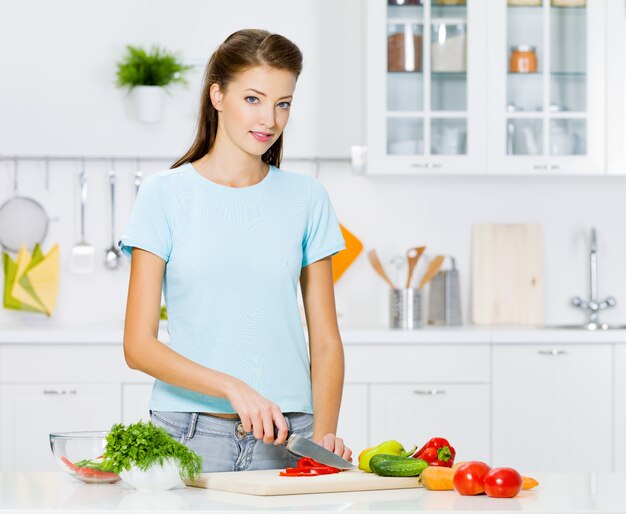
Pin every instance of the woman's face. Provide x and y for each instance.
(254, 109)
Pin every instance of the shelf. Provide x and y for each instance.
(539, 7)
(438, 74)
(433, 21)
(572, 74)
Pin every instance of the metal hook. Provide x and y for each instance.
(15, 165)
(47, 172)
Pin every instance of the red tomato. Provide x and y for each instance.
(503, 483)
(469, 477)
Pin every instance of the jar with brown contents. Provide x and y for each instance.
(523, 59)
(398, 52)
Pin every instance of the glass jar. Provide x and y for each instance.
(523, 59)
(404, 48)
(448, 50)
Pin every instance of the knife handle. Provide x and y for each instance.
(276, 434)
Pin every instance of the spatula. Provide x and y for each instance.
(412, 256)
(82, 255)
(432, 270)
(378, 267)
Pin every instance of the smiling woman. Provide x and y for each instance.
(227, 235)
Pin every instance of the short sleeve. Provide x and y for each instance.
(323, 235)
(148, 227)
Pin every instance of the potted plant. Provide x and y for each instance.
(147, 458)
(146, 74)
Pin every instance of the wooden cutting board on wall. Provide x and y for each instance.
(507, 274)
(270, 483)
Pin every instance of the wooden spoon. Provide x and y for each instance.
(378, 267)
(432, 270)
(412, 256)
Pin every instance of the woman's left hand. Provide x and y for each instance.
(335, 444)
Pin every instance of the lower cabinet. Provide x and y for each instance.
(553, 407)
(353, 418)
(619, 416)
(135, 401)
(413, 413)
(30, 412)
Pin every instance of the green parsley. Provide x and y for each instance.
(144, 444)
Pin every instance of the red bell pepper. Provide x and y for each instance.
(308, 467)
(437, 452)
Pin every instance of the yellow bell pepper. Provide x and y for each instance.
(387, 448)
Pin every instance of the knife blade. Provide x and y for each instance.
(303, 447)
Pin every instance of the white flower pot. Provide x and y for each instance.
(148, 102)
(155, 478)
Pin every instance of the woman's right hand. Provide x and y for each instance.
(258, 415)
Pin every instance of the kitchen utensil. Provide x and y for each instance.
(378, 267)
(405, 308)
(70, 448)
(507, 274)
(397, 263)
(444, 306)
(23, 221)
(113, 256)
(306, 448)
(343, 260)
(431, 271)
(268, 482)
(412, 256)
(82, 255)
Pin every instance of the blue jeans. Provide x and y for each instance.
(225, 446)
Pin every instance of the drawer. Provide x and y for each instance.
(417, 363)
(65, 362)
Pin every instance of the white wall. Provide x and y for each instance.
(57, 98)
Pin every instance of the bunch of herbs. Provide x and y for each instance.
(156, 67)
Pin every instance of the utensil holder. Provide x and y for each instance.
(405, 308)
(444, 306)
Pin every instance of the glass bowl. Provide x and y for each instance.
(80, 455)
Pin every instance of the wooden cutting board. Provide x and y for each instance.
(507, 274)
(270, 483)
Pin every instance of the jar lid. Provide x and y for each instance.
(523, 48)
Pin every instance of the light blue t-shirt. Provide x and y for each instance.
(233, 259)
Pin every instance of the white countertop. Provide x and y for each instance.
(57, 492)
(470, 334)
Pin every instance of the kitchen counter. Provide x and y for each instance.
(57, 492)
(467, 334)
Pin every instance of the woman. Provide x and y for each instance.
(228, 234)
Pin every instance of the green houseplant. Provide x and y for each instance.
(146, 73)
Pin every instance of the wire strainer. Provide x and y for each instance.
(23, 221)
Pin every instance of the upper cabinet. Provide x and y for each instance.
(520, 88)
(547, 86)
(616, 86)
(426, 83)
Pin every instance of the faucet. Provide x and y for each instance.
(593, 305)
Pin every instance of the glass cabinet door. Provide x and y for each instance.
(552, 83)
(425, 119)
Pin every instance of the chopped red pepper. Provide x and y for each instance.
(69, 463)
(308, 467)
(437, 452)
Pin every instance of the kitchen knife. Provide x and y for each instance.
(303, 447)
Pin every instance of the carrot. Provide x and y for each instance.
(455, 467)
(528, 483)
(437, 478)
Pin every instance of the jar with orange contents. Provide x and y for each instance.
(523, 59)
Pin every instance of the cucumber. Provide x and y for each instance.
(396, 466)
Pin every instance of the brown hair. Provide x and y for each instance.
(241, 50)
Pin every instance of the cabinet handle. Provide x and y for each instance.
(552, 352)
(429, 392)
(437, 165)
(59, 391)
(540, 167)
(420, 165)
(555, 167)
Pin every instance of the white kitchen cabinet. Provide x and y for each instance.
(30, 412)
(553, 407)
(426, 76)
(413, 413)
(616, 86)
(353, 417)
(547, 88)
(135, 401)
(619, 416)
